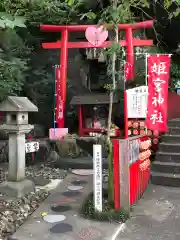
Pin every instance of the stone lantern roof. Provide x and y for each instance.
(17, 104)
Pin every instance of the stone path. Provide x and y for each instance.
(155, 217)
(61, 219)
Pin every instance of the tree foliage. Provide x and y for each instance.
(175, 76)
(20, 36)
(13, 55)
(23, 18)
(47, 11)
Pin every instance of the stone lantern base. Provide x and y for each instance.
(17, 189)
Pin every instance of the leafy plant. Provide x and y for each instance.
(10, 21)
(12, 57)
(175, 73)
(47, 11)
(108, 213)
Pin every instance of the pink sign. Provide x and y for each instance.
(96, 36)
(57, 133)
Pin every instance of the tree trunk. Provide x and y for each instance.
(109, 143)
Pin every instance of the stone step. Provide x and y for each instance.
(165, 179)
(174, 131)
(169, 147)
(167, 157)
(166, 167)
(170, 138)
(174, 123)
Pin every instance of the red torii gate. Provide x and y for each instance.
(129, 43)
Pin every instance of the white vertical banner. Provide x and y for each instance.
(97, 183)
(137, 102)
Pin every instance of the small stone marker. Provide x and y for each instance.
(97, 180)
(54, 218)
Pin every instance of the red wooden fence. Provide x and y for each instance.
(131, 170)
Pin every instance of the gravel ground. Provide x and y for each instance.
(13, 213)
(43, 170)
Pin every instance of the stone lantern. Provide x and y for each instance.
(16, 125)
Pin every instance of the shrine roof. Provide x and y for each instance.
(17, 104)
(92, 99)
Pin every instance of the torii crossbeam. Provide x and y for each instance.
(64, 44)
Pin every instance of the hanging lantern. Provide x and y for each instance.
(145, 145)
(129, 124)
(155, 141)
(145, 154)
(142, 124)
(135, 124)
(156, 133)
(141, 156)
(129, 132)
(149, 143)
(142, 132)
(148, 154)
(144, 165)
(135, 132)
(149, 133)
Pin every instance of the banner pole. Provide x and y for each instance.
(55, 100)
(146, 72)
(125, 108)
(146, 80)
